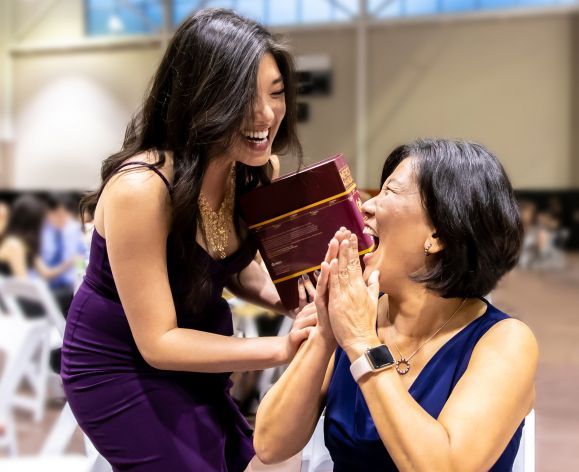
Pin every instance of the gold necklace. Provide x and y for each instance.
(215, 224)
(403, 365)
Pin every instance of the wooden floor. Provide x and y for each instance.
(549, 304)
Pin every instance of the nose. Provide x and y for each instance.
(263, 112)
(369, 208)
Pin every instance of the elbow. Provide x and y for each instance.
(153, 361)
(153, 357)
(267, 451)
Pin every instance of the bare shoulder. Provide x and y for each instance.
(13, 246)
(145, 173)
(136, 197)
(510, 339)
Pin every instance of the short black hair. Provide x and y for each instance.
(470, 201)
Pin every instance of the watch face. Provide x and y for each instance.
(380, 357)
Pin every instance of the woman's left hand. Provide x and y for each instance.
(353, 304)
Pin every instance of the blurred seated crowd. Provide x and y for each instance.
(43, 237)
(546, 237)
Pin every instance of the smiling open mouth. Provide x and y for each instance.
(256, 137)
(376, 240)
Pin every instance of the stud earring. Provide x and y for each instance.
(427, 249)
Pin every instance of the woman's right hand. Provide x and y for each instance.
(321, 297)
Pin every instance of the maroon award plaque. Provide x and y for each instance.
(294, 218)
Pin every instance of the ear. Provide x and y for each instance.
(433, 244)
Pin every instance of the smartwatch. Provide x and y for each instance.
(373, 360)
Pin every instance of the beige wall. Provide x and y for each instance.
(504, 83)
(72, 110)
(507, 83)
(331, 127)
(71, 105)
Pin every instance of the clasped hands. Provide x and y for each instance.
(345, 307)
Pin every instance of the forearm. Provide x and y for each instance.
(190, 350)
(288, 414)
(414, 439)
(254, 285)
(50, 273)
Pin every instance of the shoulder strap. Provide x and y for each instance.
(149, 166)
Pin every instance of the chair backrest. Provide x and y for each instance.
(315, 456)
(19, 341)
(34, 290)
(8, 305)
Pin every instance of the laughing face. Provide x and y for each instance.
(400, 227)
(252, 145)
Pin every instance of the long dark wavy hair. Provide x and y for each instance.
(204, 88)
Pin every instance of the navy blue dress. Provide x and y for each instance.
(350, 434)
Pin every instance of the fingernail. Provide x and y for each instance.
(318, 272)
(305, 277)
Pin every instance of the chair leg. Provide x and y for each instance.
(61, 433)
(42, 379)
(8, 435)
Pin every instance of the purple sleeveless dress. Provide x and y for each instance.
(138, 417)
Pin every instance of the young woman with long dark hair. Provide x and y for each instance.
(148, 347)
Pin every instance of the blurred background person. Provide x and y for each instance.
(20, 247)
(4, 217)
(62, 246)
(528, 211)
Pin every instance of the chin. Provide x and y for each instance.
(255, 161)
(368, 269)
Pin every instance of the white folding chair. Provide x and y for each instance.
(52, 456)
(13, 289)
(22, 342)
(525, 458)
(34, 290)
(315, 456)
(8, 305)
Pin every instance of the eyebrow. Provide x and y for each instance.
(278, 80)
(393, 181)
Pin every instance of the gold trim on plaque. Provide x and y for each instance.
(351, 188)
(301, 272)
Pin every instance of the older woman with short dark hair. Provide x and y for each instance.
(429, 376)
